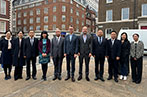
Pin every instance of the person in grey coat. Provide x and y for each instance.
(85, 52)
(57, 54)
(137, 52)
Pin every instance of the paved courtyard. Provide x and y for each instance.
(49, 88)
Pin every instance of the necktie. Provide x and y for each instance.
(32, 41)
(100, 38)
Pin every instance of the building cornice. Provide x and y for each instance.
(117, 21)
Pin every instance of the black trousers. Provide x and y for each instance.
(99, 61)
(44, 70)
(57, 65)
(136, 66)
(70, 59)
(34, 71)
(87, 59)
(7, 67)
(113, 67)
(18, 72)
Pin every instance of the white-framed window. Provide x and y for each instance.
(31, 28)
(54, 1)
(125, 13)
(71, 10)
(63, 8)
(108, 32)
(83, 15)
(38, 20)
(25, 29)
(46, 10)
(25, 14)
(63, 0)
(109, 15)
(54, 18)
(25, 21)
(31, 13)
(46, 27)
(63, 26)
(144, 9)
(77, 13)
(37, 27)
(63, 18)
(38, 11)
(19, 22)
(46, 2)
(19, 15)
(3, 7)
(71, 19)
(71, 2)
(54, 26)
(77, 21)
(54, 9)
(45, 19)
(31, 20)
(83, 23)
(109, 1)
(2, 26)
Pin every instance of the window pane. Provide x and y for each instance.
(125, 13)
(109, 15)
(144, 9)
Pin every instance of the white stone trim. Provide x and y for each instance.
(117, 21)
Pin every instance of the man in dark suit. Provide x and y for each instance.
(57, 53)
(18, 56)
(30, 53)
(85, 51)
(113, 54)
(71, 51)
(99, 53)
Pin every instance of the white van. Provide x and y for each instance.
(142, 36)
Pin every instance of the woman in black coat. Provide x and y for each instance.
(6, 46)
(124, 58)
(18, 57)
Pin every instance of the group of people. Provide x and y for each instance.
(18, 51)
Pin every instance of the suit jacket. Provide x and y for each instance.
(6, 56)
(18, 50)
(114, 50)
(31, 51)
(57, 49)
(85, 47)
(71, 47)
(99, 49)
(139, 50)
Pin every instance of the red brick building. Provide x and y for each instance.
(48, 15)
(4, 15)
(122, 14)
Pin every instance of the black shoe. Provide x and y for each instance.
(9, 76)
(102, 79)
(138, 82)
(67, 78)
(79, 78)
(116, 80)
(73, 79)
(27, 78)
(21, 77)
(6, 78)
(59, 78)
(15, 79)
(109, 78)
(44, 79)
(96, 78)
(87, 78)
(55, 77)
(34, 78)
(133, 81)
